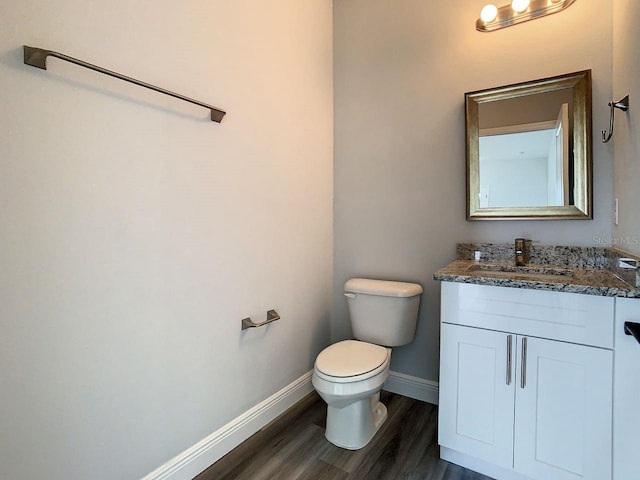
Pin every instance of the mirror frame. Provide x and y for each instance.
(580, 83)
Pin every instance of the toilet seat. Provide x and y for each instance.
(351, 361)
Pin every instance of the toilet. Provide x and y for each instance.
(349, 375)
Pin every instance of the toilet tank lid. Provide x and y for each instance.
(385, 288)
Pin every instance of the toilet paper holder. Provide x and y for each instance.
(272, 316)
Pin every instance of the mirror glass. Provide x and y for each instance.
(529, 149)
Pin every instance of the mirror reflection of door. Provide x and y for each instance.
(558, 166)
(525, 165)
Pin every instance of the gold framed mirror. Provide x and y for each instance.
(529, 150)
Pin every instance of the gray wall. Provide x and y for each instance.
(135, 234)
(626, 80)
(401, 69)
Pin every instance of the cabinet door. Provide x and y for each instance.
(476, 407)
(626, 394)
(563, 410)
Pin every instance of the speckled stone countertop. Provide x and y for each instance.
(586, 270)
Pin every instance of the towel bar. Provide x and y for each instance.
(37, 57)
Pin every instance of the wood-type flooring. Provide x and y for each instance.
(293, 447)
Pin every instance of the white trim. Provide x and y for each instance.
(522, 128)
(412, 387)
(207, 451)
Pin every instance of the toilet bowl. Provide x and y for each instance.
(349, 375)
(351, 390)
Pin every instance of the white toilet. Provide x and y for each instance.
(348, 375)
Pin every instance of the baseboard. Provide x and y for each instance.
(207, 451)
(412, 387)
(480, 466)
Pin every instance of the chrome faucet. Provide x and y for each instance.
(519, 252)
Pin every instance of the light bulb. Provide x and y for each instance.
(520, 6)
(488, 13)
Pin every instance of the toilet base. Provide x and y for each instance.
(353, 426)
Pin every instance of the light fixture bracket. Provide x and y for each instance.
(507, 16)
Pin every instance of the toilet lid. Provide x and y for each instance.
(350, 358)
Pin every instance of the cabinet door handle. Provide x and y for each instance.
(523, 366)
(509, 359)
(631, 328)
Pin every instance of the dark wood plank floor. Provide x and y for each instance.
(293, 447)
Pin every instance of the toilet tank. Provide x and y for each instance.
(383, 312)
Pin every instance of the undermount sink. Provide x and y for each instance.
(540, 272)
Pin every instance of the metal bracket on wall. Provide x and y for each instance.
(272, 316)
(37, 57)
(623, 105)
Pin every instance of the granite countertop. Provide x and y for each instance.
(566, 276)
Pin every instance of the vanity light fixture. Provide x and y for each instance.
(518, 11)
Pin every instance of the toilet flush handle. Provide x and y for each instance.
(350, 295)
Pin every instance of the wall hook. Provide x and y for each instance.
(623, 105)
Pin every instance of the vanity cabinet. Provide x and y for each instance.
(526, 382)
